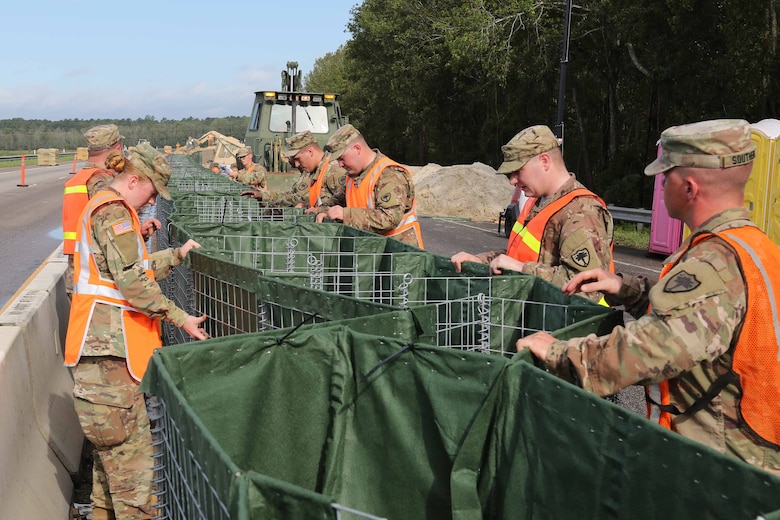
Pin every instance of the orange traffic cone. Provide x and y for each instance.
(73, 169)
(22, 185)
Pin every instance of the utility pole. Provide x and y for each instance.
(564, 60)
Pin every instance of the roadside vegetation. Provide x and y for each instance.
(630, 234)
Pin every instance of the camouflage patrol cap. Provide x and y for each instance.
(339, 141)
(297, 142)
(715, 144)
(526, 145)
(153, 164)
(102, 137)
(243, 152)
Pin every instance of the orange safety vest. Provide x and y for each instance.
(316, 188)
(525, 241)
(141, 332)
(755, 365)
(363, 197)
(73, 202)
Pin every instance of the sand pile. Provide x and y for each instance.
(472, 191)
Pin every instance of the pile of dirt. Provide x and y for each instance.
(472, 191)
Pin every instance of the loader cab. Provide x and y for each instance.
(277, 114)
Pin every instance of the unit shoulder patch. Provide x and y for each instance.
(581, 257)
(681, 282)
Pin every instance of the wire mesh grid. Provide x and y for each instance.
(479, 323)
(181, 486)
(466, 315)
(179, 287)
(204, 183)
(229, 208)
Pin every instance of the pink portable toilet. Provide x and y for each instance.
(665, 231)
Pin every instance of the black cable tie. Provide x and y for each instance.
(279, 341)
(389, 358)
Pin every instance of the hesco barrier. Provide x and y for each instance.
(352, 376)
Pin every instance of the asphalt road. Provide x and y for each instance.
(30, 221)
(447, 237)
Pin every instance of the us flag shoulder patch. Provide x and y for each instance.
(120, 228)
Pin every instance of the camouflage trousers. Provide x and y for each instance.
(69, 277)
(112, 413)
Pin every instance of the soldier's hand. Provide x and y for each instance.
(189, 244)
(253, 194)
(149, 227)
(335, 213)
(538, 342)
(502, 262)
(193, 328)
(459, 258)
(594, 280)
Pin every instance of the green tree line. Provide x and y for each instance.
(450, 81)
(68, 134)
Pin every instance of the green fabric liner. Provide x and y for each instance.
(542, 448)
(432, 433)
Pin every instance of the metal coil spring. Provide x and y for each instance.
(292, 243)
(483, 310)
(403, 290)
(316, 269)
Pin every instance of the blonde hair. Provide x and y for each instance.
(116, 161)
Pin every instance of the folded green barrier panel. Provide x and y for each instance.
(400, 429)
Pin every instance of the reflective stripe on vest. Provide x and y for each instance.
(316, 189)
(74, 200)
(141, 333)
(525, 240)
(756, 356)
(363, 197)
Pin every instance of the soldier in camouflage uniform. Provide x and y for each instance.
(379, 192)
(115, 304)
(576, 235)
(249, 172)
(707, 349)
(320, 177)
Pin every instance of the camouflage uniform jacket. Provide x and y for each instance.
(117, 259)
(335, 178)
(99, 180)
(393, 196)
(253, 175)
(697, 313)
(582, 224)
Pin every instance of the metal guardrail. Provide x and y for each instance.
(642, 216)
(32, 156)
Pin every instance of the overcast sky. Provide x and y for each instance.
(84, 59)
